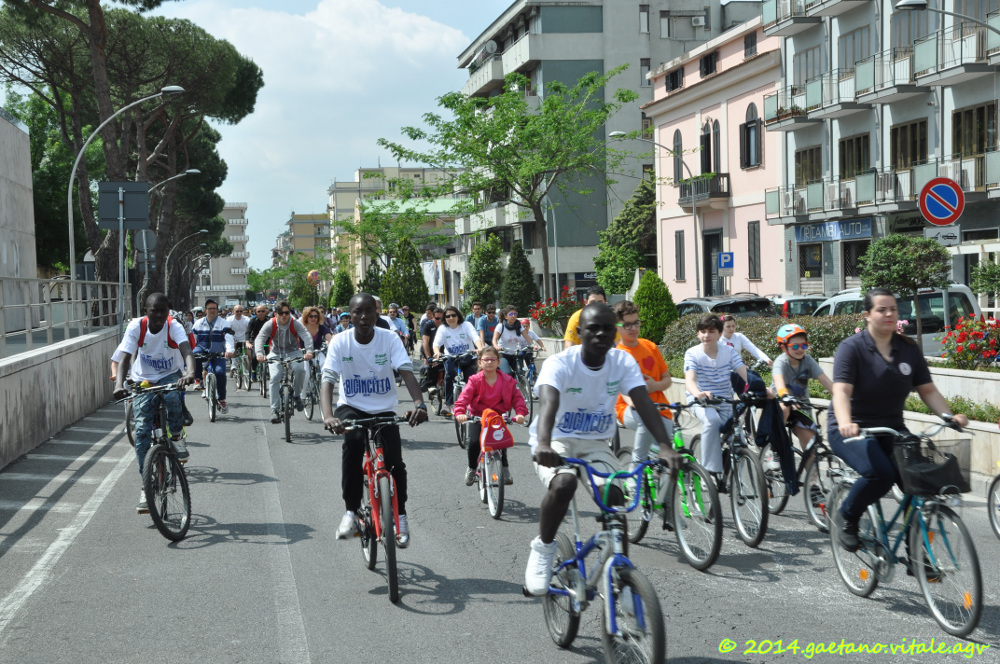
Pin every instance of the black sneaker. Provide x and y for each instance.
(933, 575)
(847, 532)
(188, 417)
(275, 417)
(298, 404)
(720, 479)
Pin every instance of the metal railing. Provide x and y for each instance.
(945, 49)
(40, 312)
(715, 185)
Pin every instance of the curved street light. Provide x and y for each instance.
(919, 5)
(694, 198)
(190, 171)
(168, 90)
(166, 263)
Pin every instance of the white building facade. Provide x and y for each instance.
(225, 277)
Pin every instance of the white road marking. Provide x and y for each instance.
(41, 477)
(36, 503)
(81, 430)
(71, 457)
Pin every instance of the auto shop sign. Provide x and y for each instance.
(831, 231)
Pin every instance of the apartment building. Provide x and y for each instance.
(225, 277)
(873, 104)
(17, 218)
(714, 163)
(550, 41)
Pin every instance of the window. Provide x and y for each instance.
(644, 19)
(808, 165)
(908, 144)
(707, 64)
(906, 27)
(678, 162)
(679, 255)
(810, 261)
(716, 147)
(751, 152)
(806, 65)
(648, 171)
(647, 126)
(643, 71)
(664, 25)
(974, 130)
(753, 242)
(322, 230)
(855, 156)
(853, 251)
(750, 45)
(854, 47)
(674, 79)
(706, 148)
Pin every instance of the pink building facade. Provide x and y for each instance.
(708, 107)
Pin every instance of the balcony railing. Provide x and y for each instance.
(953, 53)
(786, 17)
(238, 238)
(236, 222)
(239, 270)
(834, 88)
(705, 188)
(240, 254)
(785, 103)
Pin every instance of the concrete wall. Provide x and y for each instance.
(17, 214)
(44, 391)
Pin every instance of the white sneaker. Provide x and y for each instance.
(538, 573)
(142, 507)
(348, 526)
(470, 476)
(403, 534)
(771, 463)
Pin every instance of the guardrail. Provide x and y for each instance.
(39, 312)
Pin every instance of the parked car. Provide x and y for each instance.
(796, 305)
(738, 304)
(938, 308)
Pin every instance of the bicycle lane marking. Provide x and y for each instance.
(293, 646)
(41, 571)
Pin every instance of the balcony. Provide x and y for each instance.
(785, 110)
(950, 57)
(993, 40)
(239, 270)
(991, 173)
(236, 222)
(240, 254)
(484, 80)
(238, 238)
(887, 77)
(713, 188)
(832, 95)
(832, 7)
(784, 18)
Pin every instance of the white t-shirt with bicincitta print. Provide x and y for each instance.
(456, 340)
(364, 371)
(156, 359)
(587, 397)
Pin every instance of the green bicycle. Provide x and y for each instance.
(690, 508)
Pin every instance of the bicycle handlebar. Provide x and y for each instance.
(368, 422)
(933, 430)
(569, 462)
(450, 356)
(135, 389)
(790, 400)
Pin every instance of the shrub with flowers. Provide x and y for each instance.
(972, 342)
(556, 310)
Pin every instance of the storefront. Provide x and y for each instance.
(826, 255)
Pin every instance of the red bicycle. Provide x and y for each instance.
(378, 520)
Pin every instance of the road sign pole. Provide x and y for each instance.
(121, 262)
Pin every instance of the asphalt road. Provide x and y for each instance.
(261, 577)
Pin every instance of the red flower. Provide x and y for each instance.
(972, 346)
(959, 349)
(962, 337)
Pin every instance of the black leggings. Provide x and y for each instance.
(472, 432)
(353, 454)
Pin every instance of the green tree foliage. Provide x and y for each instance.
(623, 247)
(303, 294)
(403, 282)
(904, 265)
(372, 281)
(343, 288)
(986, 277)
(384, 224)
(503, 144)
(519, 286)
(656, 306)
(485, 277)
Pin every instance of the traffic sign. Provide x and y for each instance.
(725, 264)
(942, 201)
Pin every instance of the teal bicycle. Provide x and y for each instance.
(691, 507)
(941, 553)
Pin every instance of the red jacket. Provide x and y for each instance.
(472, 397)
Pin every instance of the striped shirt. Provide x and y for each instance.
(712, 375)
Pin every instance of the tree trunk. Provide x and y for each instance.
(542, 234)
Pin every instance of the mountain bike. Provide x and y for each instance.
(378, 520)
(314, 381)
(743, 477)
(210, 389)
(163, 479)
(940, 550)
(286, 392)
(691, 507)
(632, 624)
(814, 465)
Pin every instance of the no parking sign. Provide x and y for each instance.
(942, 201)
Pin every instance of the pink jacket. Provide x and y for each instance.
(471, 398)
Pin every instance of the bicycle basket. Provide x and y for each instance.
(931, 469)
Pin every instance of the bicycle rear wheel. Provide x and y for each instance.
(697, 516)
(639, 634)
(748, 497)
(287, 406)
(945, 563)
(167, 494)
(494, 484)
(388, 536)
(774, 480)
(562, 617)
(638, 519)
(993, 505)
(210, 395)
(481, 475)
(854, 568)
(817, 485)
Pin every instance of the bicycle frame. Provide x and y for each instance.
(375, 469)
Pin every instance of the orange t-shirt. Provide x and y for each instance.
(652, 364)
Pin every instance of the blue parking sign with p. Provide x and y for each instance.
(725, 263)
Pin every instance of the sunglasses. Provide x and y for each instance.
(451, 316)
(634, 325)
(801, 346)
(438, 318)
(313, 315)
(512, 314)
(284, 313)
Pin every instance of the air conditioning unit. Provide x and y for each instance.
(788, 202)
(945, 171)
(698, 21)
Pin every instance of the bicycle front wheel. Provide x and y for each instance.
(388, 536)
(697, 516)
(993, 505)
(525, 388)
(167, 494)
(130, 425)
(638, 519)
(748, 497)
(562, 616)
(459, 432)
(854, 568)
(210, 395)
(247, 374)
(286, 401)
(366, 532)
(817, 485)
(774, 480)
(944, 560)
(638, 634)
(494, 484)
(312, 398)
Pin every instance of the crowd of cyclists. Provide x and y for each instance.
(605, 377)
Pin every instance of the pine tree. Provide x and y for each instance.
(403, 283)
(372, 281)
(519, 286)
(656, 306)
(623, 247)
(485, 272)
(343, 289)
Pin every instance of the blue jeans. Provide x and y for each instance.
(872, 458)
(451, 369)
(218, 367)
(144, 410)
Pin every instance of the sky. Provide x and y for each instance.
(338, 75)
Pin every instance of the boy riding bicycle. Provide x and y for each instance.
(791, 372)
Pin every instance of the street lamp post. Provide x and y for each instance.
(918, 5)
(198, 265)
(166, 263)
(168, 90)
(694, 199)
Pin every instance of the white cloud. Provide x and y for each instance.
(336, 79)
